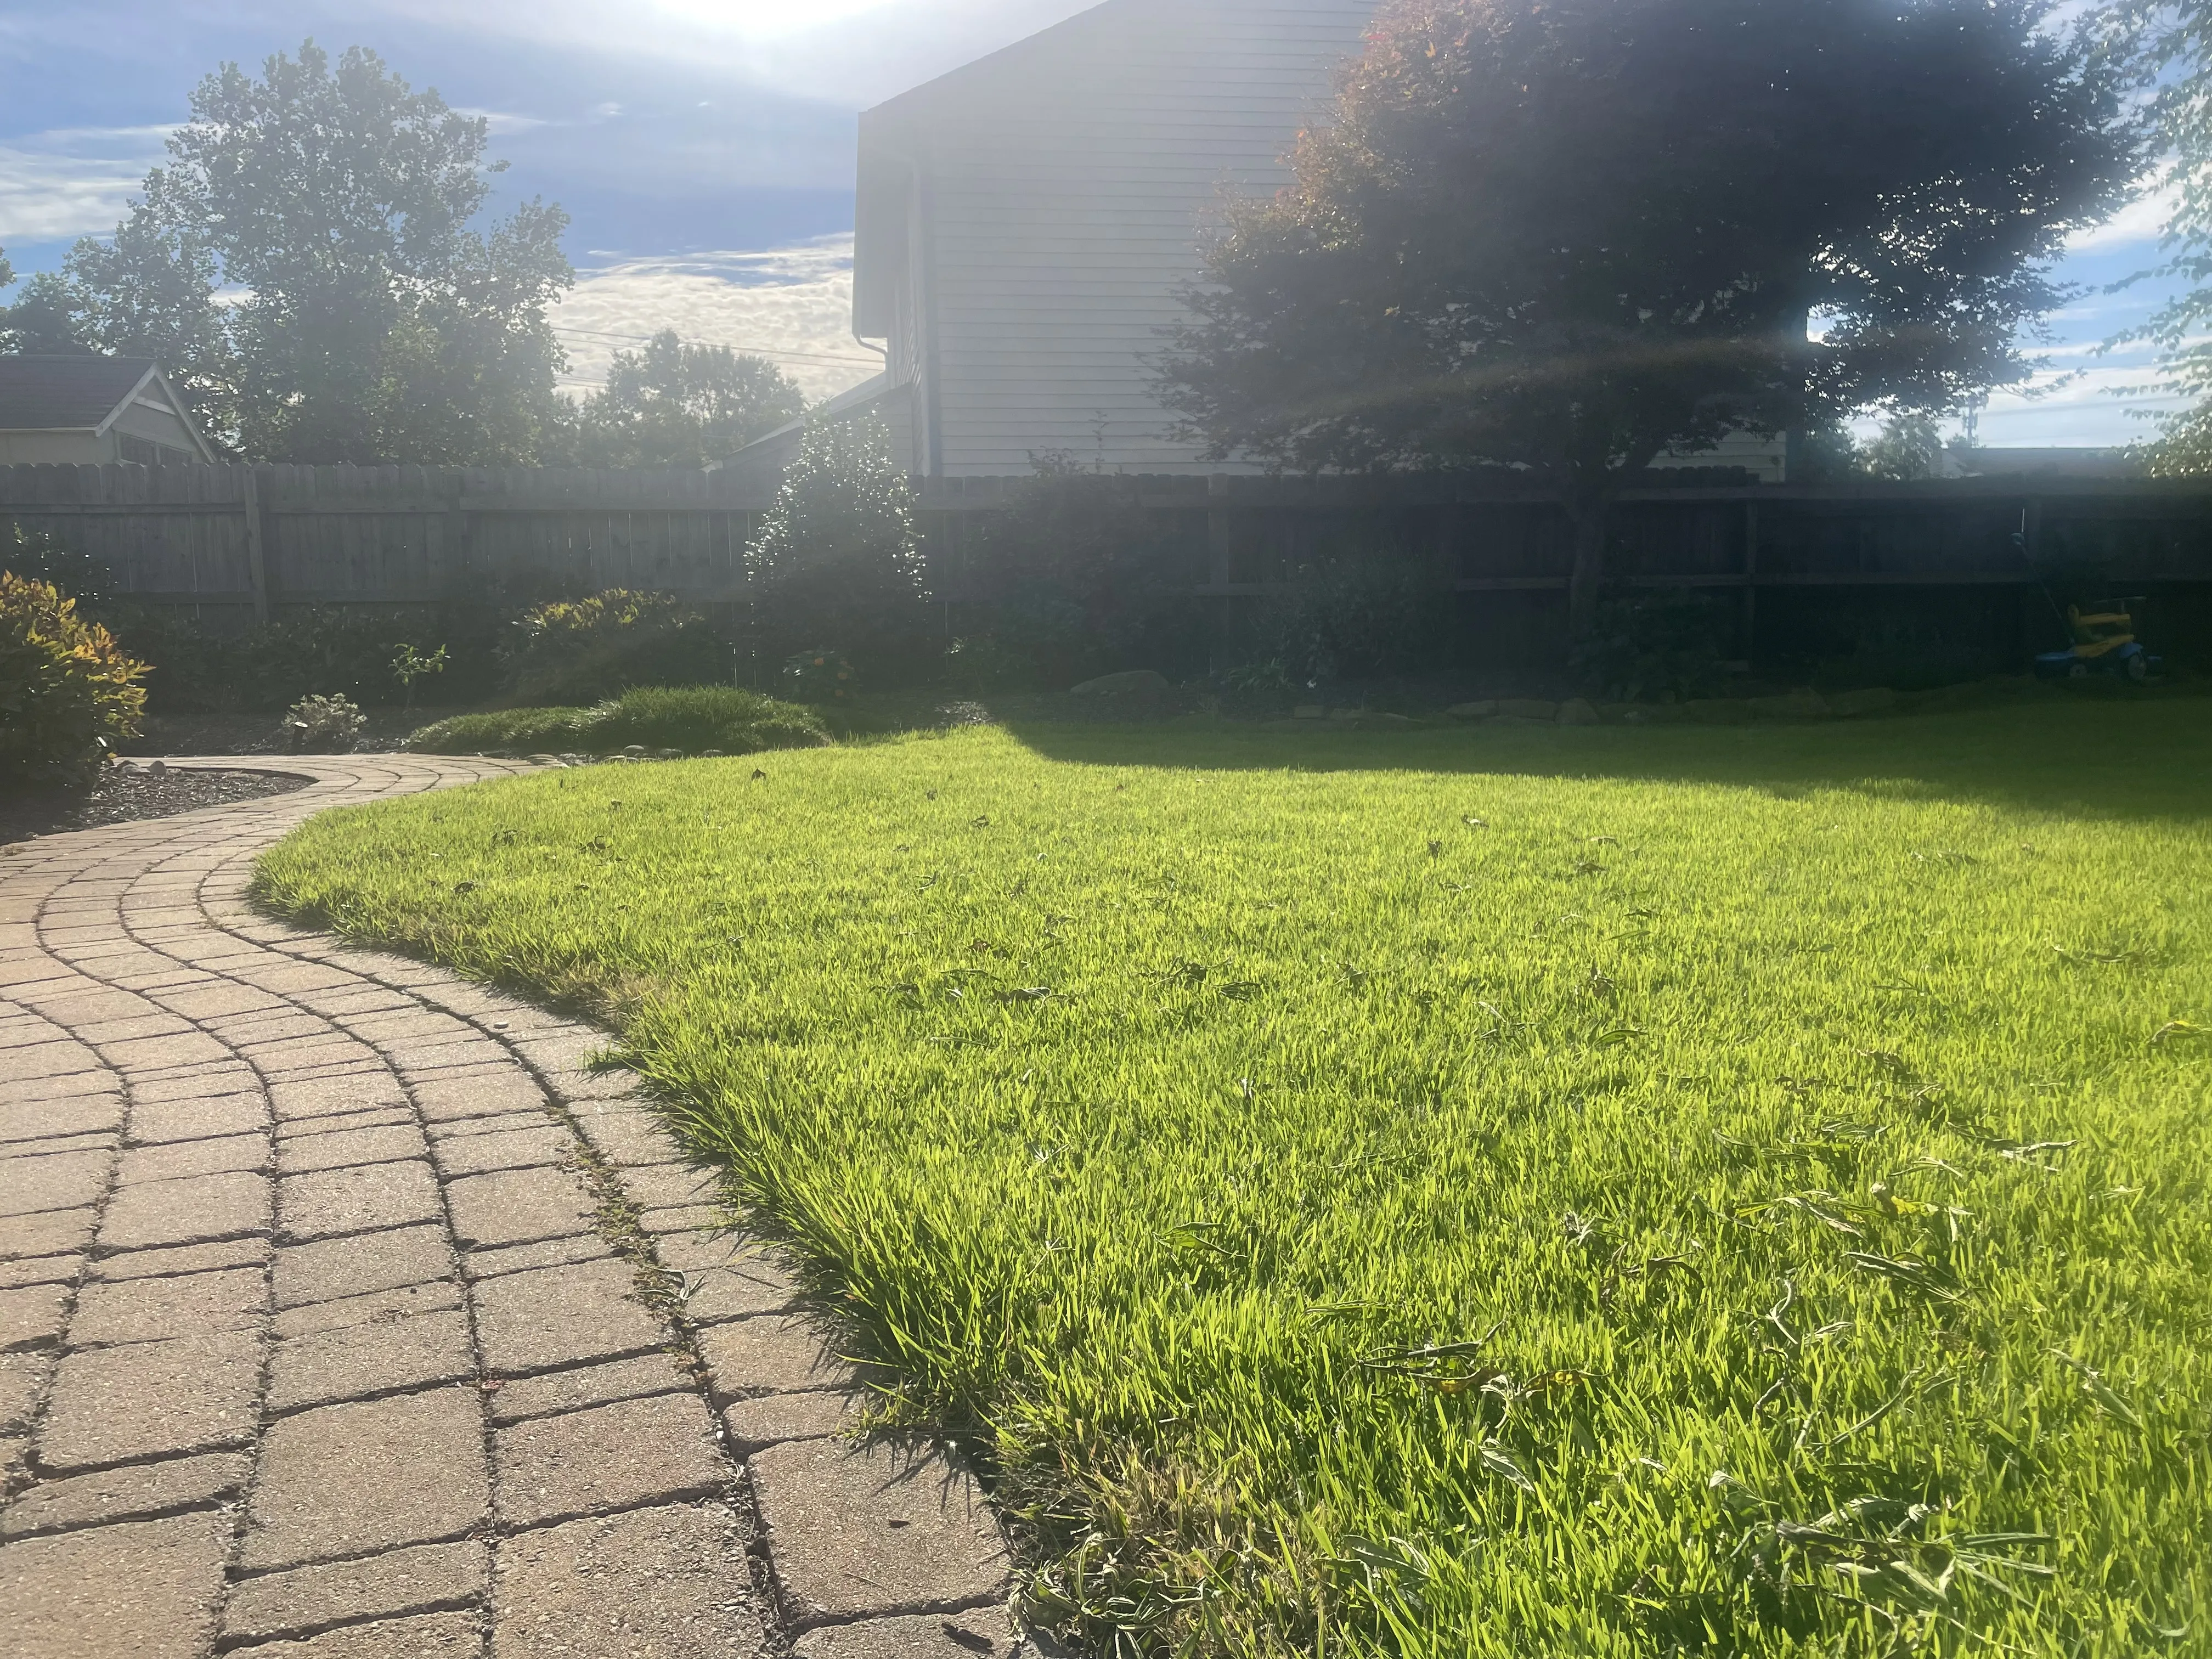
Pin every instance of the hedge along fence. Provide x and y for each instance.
(233, 545)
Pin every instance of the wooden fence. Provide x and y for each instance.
(235, 543)
(240, 543)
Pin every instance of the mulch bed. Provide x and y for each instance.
(124, 793)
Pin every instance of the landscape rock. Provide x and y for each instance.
(1578, 711)
(1482, 708)
(1529, 709)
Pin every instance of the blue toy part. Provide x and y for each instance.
(2128, 662)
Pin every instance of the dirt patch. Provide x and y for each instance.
(124, 793)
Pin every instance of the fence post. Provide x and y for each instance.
(1220, 538)
(1750, 576)
(256, 552)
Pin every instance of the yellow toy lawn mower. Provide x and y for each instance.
(2104, 643)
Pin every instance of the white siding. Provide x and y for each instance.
(1052, 202)
(57, 448)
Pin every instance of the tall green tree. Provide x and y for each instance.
(310, 264)
(42, 322)
(1565, 235)
(674, 404)
(2169, 45)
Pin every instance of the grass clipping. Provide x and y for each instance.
(1493, 1193)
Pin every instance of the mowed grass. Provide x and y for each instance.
(1506, 1192)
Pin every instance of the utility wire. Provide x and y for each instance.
(761, 351)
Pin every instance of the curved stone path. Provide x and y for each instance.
(344, 1314)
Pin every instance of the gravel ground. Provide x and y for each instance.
(122, 793)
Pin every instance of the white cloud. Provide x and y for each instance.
(2140, 223)
(850, 52)
(72, 181)
(793, 305)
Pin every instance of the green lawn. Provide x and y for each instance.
(1503, 1192)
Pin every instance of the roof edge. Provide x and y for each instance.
(153, 373)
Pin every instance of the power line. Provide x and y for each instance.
(756, 350)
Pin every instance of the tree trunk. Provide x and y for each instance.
(1591, 516)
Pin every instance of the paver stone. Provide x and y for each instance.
(857, 1530)
(146, 1589)
(654, 1451)
(343, 1480)
(659, 1584)
(189, 1393)
(566, 1315)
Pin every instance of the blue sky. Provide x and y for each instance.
(704, 149)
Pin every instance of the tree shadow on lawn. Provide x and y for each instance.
(2148, 759)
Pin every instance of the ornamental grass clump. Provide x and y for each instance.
(690, 718)
(67, 692)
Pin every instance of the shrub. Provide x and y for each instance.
(690, 718)
(819, 676)
(570, 651)
(1663, 641)
(837, 563)
(1367, 615)
(354, 652)
(37, 556)
(322, 726)
(1076, 578)
(67, 690)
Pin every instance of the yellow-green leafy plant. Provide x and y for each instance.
(67, 690)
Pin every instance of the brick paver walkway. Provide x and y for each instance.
(341, 1309)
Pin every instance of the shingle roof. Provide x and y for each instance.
(65, 393)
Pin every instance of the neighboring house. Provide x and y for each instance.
(1024, 223)
(87, 410)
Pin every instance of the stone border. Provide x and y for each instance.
(342, 1307)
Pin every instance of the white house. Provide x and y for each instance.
(1024, 223)
(88, 411)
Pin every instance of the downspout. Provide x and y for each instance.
(932, 400)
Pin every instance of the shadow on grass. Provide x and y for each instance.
(2136, 759)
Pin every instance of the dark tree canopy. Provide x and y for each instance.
(1566, 236)
(674, 404)
(367, 318)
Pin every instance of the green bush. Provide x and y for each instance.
(571, 651)
(322, 726)
(821, 675)
(1076, 578)
(837, 563)
(349, 652)
(37, 556)
(1362, 616)
(690, 718)
(67, 690)
(1664, 642)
